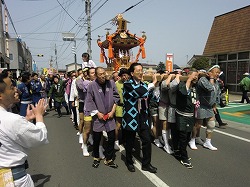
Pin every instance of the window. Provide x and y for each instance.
(11, 56)
(243, 55)
(232, 56)
(231, 72)
(222, 57)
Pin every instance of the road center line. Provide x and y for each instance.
(152, 177)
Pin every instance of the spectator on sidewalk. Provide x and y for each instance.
(245, 87)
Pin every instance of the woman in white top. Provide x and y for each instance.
(87, 62)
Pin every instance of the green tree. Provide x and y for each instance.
(161, 68)
(201, 63)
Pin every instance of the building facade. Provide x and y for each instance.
(20, 57)
(228, 45)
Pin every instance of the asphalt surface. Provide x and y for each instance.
(61, 164)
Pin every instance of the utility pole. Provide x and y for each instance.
(74, 51)
(56, 59)
(88, 12)
(7, 33)
(50, 63)
(2, 38)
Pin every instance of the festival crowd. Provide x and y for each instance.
(167, 110)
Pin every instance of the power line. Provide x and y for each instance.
(39, 14)
(99, 8)
(133, 6)
(68, 13)
(122, 13)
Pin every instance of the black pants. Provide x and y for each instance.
(73, 109)
(244, 96)
(58, 107)
(109, 151)
(218, 118)
(50, 102)
(146, 145)
(184, 138)
(175, 136)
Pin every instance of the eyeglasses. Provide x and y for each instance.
(138, 71)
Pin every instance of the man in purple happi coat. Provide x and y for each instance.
(100, 103)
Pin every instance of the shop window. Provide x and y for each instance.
(231, 72)
(222, 57)
(243, 67)
(243, 55)
(232, 56)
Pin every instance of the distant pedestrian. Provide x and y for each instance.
(245, 87)
(36, 88)
(57, 89)
(25, 95)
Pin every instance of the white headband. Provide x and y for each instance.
(214, 66)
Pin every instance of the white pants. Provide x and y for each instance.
(25, 181)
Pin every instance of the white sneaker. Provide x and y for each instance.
(192, 145)
(85, 150)
(116, 146)
(78, 133)
(168, 149)
(158, 143)
(161, 141)
(80, 139)
(101, 155)
(199, 141)
(208, 145)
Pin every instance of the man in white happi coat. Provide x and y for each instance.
(18, 134)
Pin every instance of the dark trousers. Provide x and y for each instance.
(50, 102)
(244, 96)
(109, 151)
(184, 138)
(146, 145)
(175, 136)
(217, 117)
(73, 109)
(58, 107)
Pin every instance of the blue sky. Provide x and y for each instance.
(172, 26)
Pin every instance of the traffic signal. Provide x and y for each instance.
(40, 55)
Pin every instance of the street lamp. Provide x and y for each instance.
(67, 36)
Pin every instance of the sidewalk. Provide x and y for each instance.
(234, 97)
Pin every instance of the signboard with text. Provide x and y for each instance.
(169, 61)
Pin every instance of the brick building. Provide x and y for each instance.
(228, 45)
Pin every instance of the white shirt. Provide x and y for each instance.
(17, 135)
(89, 64)
(73, 91)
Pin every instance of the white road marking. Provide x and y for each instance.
(234, 136)
(152, 177)
(231, 135)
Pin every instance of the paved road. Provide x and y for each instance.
(61, 164)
